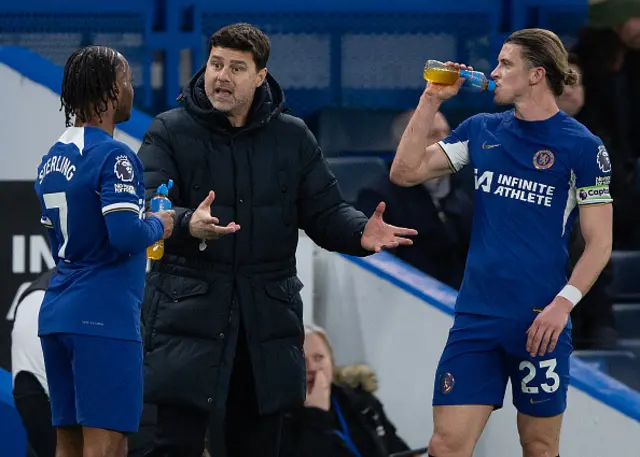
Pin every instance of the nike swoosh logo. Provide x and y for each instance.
(489, 146)
(533, 402)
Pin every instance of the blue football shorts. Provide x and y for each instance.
(94, 381)
(483, 352)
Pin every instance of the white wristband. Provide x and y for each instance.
(571, 293)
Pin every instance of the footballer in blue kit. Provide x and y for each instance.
(91, 191)
(535, 168)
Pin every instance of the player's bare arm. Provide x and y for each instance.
(416, 161)
(596, 226)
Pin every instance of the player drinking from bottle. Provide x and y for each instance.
(534, 165)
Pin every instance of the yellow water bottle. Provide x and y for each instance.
(439, 73)
(160, 202)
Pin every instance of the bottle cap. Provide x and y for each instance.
(163, 189)
(491, 86)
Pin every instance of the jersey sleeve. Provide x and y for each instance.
(128, 233)
(592, 169)
(118, 182)
(456, 146)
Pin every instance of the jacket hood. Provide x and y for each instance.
(268, 102)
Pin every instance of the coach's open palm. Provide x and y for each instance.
(203, 226)
(379, 235)
(444, 91)
(546, 328)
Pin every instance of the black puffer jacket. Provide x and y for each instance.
(271, 179)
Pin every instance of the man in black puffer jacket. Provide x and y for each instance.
(222, 313)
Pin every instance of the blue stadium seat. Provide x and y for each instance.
(563, 17)
(623, 365)
(364, 54)
(365, 57)
(355, 131)
(627, 317)
(353, 173)
(626, 287)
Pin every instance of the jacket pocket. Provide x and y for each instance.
(186, 306)
(286, 290)
(280, 309)
(178, 287)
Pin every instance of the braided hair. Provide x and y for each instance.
(89, 83)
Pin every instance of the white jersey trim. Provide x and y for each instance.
(457, 153)
(120, 207)
(571, 202)
(73, 135)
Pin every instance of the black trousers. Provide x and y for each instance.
(242, 432)
(33, 406)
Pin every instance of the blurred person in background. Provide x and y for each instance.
(222, 313)
(341, 417)
(608, 52)
(593, 321)
(439, 210)
(30, 389)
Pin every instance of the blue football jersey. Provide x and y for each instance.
(97, 289)
(529, 178)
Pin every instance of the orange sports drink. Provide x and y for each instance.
(160, 202)
(439, 73)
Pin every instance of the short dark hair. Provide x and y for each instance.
(543, 48)
(243, 37)
(89, 83)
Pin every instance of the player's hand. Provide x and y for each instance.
(444, 92)
(318, 396)
(379, 235)
(546, 328)
(204, 226)
(167, 218)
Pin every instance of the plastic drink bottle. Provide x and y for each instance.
(160, 202)
(437, 72)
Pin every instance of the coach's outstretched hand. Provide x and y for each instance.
(379, 235)
(204, 226)
(546, 328)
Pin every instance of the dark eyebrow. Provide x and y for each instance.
(233, 62)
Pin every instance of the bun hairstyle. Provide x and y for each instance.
(570, 77)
